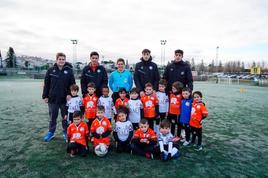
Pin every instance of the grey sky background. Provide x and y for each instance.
(122, 28)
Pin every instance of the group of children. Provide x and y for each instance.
(144, 125)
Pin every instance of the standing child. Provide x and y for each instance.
(106, 101)
(150, 105)
(144, 140)
(166, 147)
(123, 131)
(163, 103)
(186, 107)
(74, 104)
(100, 128)
(135, 108)
(121, 101)
(77, 134)
(90, 104)
(175, 106)
(198, 113)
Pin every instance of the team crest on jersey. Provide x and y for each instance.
(82, 129)
(141, 67)
(152, 98)
(90, 104)
(182, 73)
(125, 80)
(54, 70)
(88, 71)
(187, 103)
(94, 99)
(104, 123)
(171, 69)
(100, 130)
(65, 72)
(198, 106)
(173, 100)
(148, 103)
(98, 71)
(151, 67)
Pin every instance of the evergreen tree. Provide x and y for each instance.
(11, 58)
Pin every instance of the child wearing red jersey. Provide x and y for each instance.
(144, 140)
(150, 105)
(175, 106)
(101, 128)
(90, 102)
(77, 134)
(121, 101)
(198, 113)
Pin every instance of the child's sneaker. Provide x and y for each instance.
(72, 153)
(186, 143)
(199, 148)
(49, 136)
(182, 140)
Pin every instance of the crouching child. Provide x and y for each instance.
(77, 134)
(123, 130)
(101, 129)
(144, 140)
(167, 148)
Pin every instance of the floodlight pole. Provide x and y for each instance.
(163, 43)
(74, 42)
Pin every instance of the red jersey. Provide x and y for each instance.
(100, 126)
(198, 111)
(90, 105)
(78, 134)
(149, 103)
(120, 102)
(175, 104)
(149, 135)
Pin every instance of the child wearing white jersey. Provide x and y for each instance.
(135, 108)
(107, 101)
(123, 131)
(163, 103)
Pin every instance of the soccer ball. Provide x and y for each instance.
(101, 150)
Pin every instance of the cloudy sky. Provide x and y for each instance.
(122, 28)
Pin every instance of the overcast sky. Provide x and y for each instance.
(122, 28)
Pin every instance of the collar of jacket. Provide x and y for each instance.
(178, 63)
(93, 68)
(66, 65)
(146, 62)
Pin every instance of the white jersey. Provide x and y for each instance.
(163, 101)
(135, 107)
(74, 104)
(108, 104)
(165, 138)
(123, 129)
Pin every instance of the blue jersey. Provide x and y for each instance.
(119, 80)
(186, 107)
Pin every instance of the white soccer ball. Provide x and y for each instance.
(101, 150)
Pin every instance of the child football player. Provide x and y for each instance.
(121, 101)
(135, 108)
(101, 128)
(175, 106)
(123, 131)
(163, 103)
(106, 101)
(144, 140)
(77, 136)
(198, 113)
(90, 104)
(167, 148)
(150, 105)
(186, 107)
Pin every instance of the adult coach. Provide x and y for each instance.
(146, 71)
(178, 70)
(57, 84)
(120, 78)
(94, 72)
